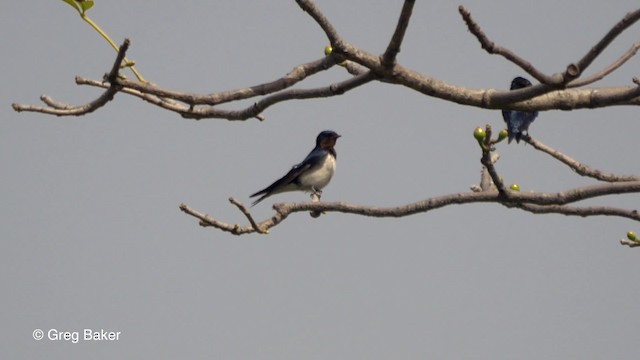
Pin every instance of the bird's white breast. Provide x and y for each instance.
(319, 176)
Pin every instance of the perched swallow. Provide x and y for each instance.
(312, 174)
(518, 121)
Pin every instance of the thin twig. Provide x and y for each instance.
(251, 111)
(246, 213)
(296, 75)
(493, 48)
(572, 71)
(488, 162)
(59, 109)
(389, 56)
(577, 211)
(206, 220)
(608, 70)
(629, 243)
(236, 229)
(629, 19)
(318, 16)
(577, 166)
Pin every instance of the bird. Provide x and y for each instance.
(518, 121)
(312, 174)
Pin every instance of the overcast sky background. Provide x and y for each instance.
(92, 237)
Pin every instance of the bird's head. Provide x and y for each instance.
(519, 83)
(327, 139)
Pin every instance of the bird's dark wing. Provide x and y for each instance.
(313, 159)
(506, 114)
(285, 180)
(518, 122)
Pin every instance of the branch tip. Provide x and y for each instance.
(629, 243)
(389, 56)
(247, 214)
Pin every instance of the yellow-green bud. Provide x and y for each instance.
(514, 187)
(503, 134)
(632, 236)
(327, 50)
(479, 134)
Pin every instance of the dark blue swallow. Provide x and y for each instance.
(312, 174)
(518, 121)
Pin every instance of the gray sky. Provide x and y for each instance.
(92, 237)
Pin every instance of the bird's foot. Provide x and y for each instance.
(315, 197)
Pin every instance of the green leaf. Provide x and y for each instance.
(86, 5)
(73, 4)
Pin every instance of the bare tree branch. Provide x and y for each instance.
(389, 56)
(573, 71)
(544, 96)
(538, 202)
(246, 213)
(59, 109)
(608, 70)
(296, 75)
(488, 162)
(579, 211)
(578, 167)
(629, 243)
(236, 229)
(254, 110)
(629, 19)
(492, 48)
(174, 106)
(309, 7)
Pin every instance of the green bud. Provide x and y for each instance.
(514, 187)
(479, 134)
(503, 134)
(328, 50)
(632, 236)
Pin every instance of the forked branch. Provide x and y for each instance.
(362, 67)
(532, 202)
(60, 109)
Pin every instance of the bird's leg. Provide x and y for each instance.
(315, 197)
(315, 193)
